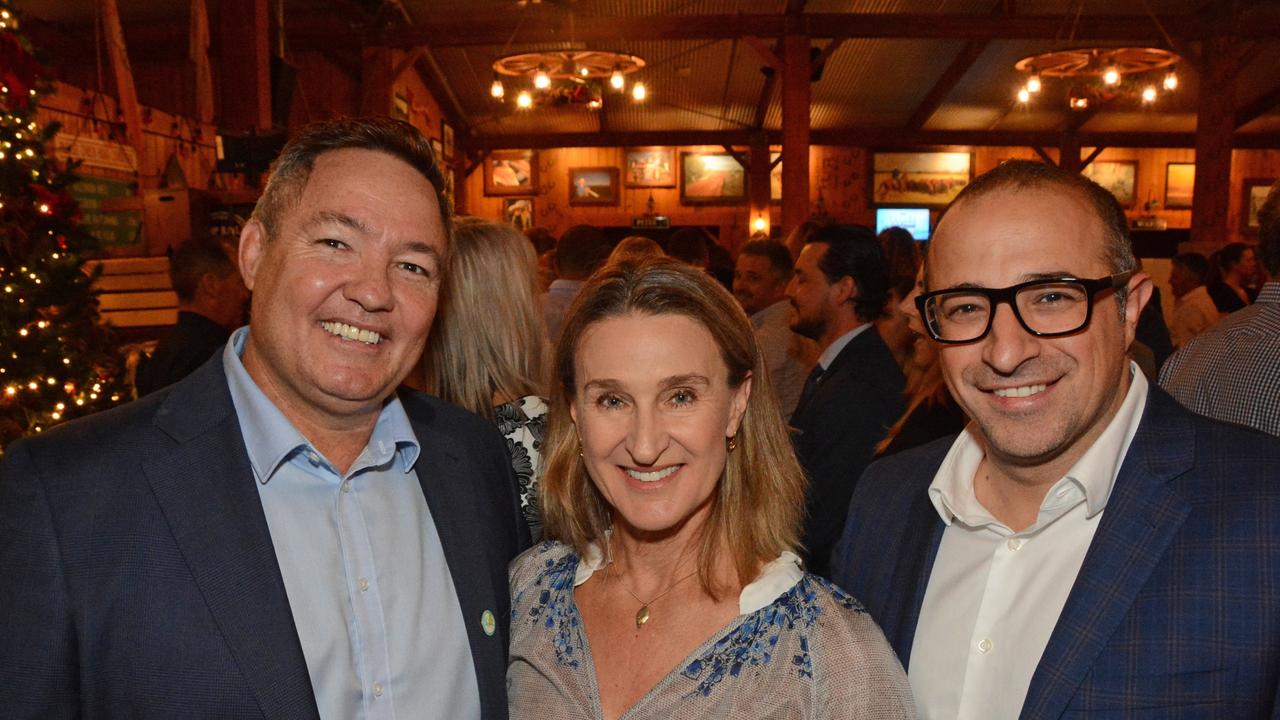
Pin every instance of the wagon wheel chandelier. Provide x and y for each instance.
(1099, 75)
(573, 78)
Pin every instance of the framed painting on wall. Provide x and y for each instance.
(1179, 184)
(446, 137)
(438, 150)
(711, 179)
(1255, 194)
(511, 172)
(931, 179)
(593, 186)
(518, 212)
(1119, 177)
(650, 167)
(775, 177)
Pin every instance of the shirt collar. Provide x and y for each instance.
(1094, 474)
(271, 439)
(828, 356)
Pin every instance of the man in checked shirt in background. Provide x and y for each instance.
(1232, 371)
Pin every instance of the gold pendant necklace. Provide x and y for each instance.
(642, 615)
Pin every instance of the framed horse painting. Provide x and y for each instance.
(915, 179)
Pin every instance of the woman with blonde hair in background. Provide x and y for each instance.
(672, 502)
(488, 351)
(634, 248)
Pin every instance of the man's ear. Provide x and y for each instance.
(1140, 289)
(843, 290)
(253, 247)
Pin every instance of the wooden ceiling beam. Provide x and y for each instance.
(865, 137)
(951, 77)
(937, 26)
(1258, 107)
(438, 85)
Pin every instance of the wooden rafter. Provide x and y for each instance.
(1259, 106)
(957, 26)
(960, 65)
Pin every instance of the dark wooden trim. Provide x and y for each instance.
(1259, 106)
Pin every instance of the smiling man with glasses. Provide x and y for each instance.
(1086, 545)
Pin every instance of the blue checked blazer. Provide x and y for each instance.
(138, 577)
(1176, 610)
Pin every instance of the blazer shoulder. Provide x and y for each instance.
(96, 440)
(903, 475)
(442, 417)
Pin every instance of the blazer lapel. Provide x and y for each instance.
(1141, 518)
(921, 539)
(205, 488)
(444, 479)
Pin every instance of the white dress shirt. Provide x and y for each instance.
(994, 595)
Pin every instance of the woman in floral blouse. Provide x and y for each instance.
(487, 351)
(669, 586)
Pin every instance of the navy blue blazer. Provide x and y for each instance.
(1175, 612)
(836, 430)
(138, 578)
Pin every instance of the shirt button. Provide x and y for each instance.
(377, 689)
(313, 457)
(346, 486)
(1014, 544)
(364, 584)
(1062, 493)
(985, 645)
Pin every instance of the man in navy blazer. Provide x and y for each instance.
(1086, 547)
(284, 533)
(839, 286)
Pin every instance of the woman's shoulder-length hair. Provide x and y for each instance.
(489, 335)
(758, 505)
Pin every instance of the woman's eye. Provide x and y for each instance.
(683, 397)
(609, 401)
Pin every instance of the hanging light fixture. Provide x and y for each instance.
(541, 79)
(570, 78)
(1092, 77)
(638, 92)
(496, 90)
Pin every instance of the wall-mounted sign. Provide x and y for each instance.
(92, 152)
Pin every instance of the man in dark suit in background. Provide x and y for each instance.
(282, 534)
(1086, 547)
(211, 303)
(854, 393)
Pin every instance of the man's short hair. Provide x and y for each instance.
(1195, 264)
(192, 260)
(853, 250)
(541, 238)
(1027, 174)
(689, 245)
(1230, 255)
(581, 250)
(292, 169)
(775, 252)
(1269, 232)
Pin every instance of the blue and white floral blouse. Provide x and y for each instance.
(799, 648)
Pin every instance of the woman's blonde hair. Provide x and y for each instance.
(489, 337)
(634, 248)
(759, 502)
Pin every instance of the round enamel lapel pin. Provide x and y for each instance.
(488, 622)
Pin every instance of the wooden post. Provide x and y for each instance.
(377, 75)
(1069, 152)
(244, 65)
(795, 131)
(758, 181)
(125, 92)
(199, 54)
(1215, 129)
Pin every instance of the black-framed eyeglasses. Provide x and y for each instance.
(1046, 308)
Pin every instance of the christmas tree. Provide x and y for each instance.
(56, 360)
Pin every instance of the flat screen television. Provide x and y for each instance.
(913, 220)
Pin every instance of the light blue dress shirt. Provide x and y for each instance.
(372, 598)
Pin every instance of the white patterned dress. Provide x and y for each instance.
(524, 423)
(800, 648)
